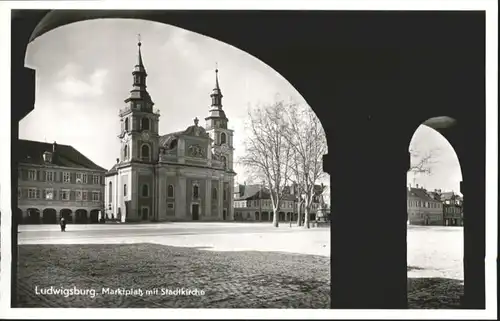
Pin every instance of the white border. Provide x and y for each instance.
(491, 158)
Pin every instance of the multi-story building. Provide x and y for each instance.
(423, 207)
(57, 181)
(452, 209)
(253, 203)
(182, 176)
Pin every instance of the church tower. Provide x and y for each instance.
(216, 127)
(139, 123)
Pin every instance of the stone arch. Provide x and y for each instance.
(33, 216)
(94, 216)
(474, 99)
(67, 214)
(81, 216)
(49, 216)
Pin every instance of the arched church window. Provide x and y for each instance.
(110, 192)
(214, 193)
(145, 190)
(223, 138)
(145, 123)
(145, 152)
(170, 190)
(126, 124)
(196, 191)
(125, 152)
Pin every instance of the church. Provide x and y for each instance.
(182, 176)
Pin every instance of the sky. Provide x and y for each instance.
(84, 71)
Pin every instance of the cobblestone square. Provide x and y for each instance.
(229, 279)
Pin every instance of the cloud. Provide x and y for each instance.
(74, 86)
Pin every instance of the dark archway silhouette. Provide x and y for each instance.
(33, 216)
(67, 214)
(81, 216)
(94, 216)
(383, 79)
(49, 216)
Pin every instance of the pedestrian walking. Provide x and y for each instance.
(63, 224)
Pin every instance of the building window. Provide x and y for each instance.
(32, 175)
(170, 205)
(125, 152)
(145, 123)
(95, 179)
(126, 124)
(79, 178)
(196, 191)
(84, 176)
(78, 195)
(224, 161)
(49, 176)
(49, 193)
(110, 192)
(65, 194)
(223, 138)
(66, 177)
(32, 193)
(95, 196)
(224, 194)
(84, 196)
(170, 191)
(145, 190)
(145, 152)
(124, 189)
(214, 193)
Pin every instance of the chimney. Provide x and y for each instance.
(47, 157)
(117, 160)
(417, 185)
(54, 146)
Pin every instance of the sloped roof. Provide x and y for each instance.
(31, 152)
(165, 140)
(113, 170)
(420, 193)
(251, 192)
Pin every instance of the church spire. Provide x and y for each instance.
(216, 116)
(138, 93)
(216, 92)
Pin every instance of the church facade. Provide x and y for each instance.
(182, 176)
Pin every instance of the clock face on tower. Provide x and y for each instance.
(145, 135)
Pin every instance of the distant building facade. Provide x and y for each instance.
(452, 209)
(182, 176)
(423, 207)
(57, 181)
(253, 203)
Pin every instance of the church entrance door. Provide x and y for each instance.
(195, 209)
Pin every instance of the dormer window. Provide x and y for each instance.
(47, 157)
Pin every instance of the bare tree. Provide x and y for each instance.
(268, 152)
(308, 145)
